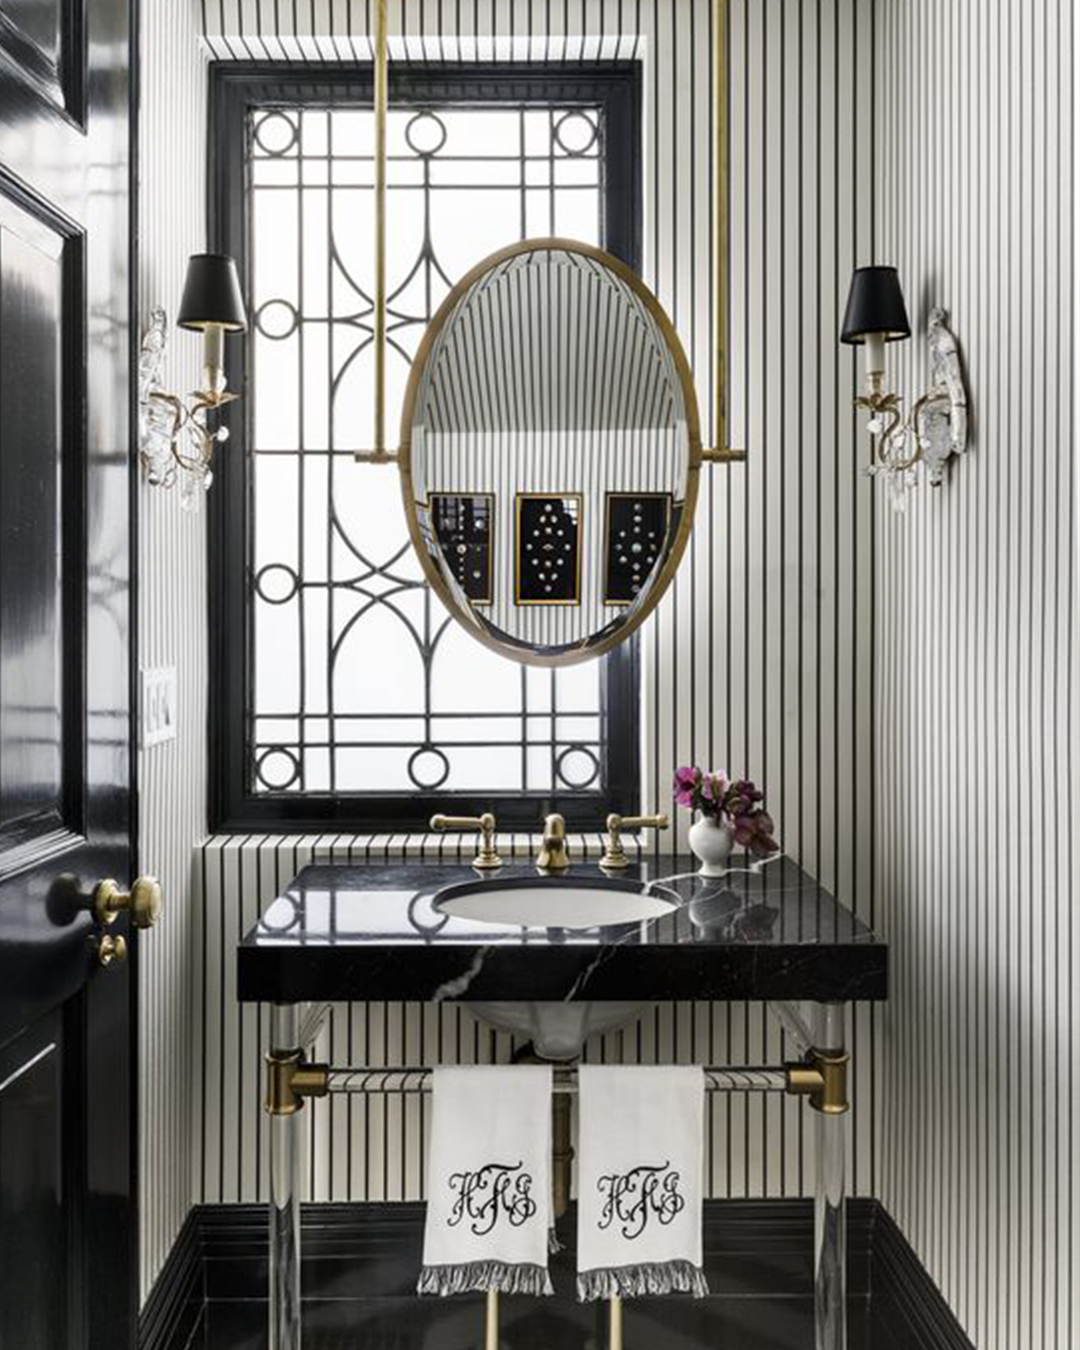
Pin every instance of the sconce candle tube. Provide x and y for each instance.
(875, 353)
(214, 357)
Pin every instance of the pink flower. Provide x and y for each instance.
(686, 783)
(739, 802)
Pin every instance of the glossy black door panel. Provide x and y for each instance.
(35, 1235)
(67, 1235)
(41, 44)
(31, 599)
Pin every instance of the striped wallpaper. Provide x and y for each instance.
(172, 627)
(978, 674)
(760, 658)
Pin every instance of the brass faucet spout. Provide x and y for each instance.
(552, 856)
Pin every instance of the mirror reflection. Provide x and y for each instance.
(550, 451)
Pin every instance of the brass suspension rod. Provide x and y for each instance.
(721, 453)
(379, 327)
(379, 454)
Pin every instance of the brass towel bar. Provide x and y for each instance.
(820, 1076)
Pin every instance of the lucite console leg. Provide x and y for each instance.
(830, 1245)
(285, 1171)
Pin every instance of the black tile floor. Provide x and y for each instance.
(360, 1265)
(753, 1323)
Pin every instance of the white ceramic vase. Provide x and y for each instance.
(711, 843)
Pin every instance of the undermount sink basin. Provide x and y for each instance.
(553, 902)
(557, 1030)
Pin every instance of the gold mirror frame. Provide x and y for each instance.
(586, 651)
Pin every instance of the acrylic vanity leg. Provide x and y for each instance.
(285, 1171)
(830, 1245)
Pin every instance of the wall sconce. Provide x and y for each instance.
(937, 424)
(176, 445)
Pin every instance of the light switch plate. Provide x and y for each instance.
(157, 711)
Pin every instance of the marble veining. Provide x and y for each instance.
(375, 931)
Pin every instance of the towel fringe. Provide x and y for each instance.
(480, 1276)
(652, 1277)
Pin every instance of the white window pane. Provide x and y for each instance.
(361, 684)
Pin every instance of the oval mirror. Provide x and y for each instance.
(550, 452)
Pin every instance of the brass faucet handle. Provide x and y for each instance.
(614, 858)
(484, 825)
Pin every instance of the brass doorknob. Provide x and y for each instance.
(143, 901)
(111, 949)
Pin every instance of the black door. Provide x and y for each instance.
(67, 1233)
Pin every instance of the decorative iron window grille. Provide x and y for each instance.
(358, 695)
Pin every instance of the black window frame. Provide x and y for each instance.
(234, 88)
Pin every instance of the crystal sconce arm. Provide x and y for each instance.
(937, 426)
(176, 444)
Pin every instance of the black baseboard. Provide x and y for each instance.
(906, 1295)
(172, 1314)
(360, 1264)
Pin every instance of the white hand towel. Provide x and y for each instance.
(640, 1182)
(489, 1189)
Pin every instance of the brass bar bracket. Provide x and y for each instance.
(723, 456)
(822, 1077)
(289, 1079)
(375, 456)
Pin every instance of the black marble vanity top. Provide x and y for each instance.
(373, 931)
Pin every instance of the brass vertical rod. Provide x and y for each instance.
(491, 1320)
(379, 317)
(615, 1337)
(720, 225)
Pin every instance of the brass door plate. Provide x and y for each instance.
(110, 949)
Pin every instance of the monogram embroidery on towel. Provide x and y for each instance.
(635, 1197)
(490, 1192)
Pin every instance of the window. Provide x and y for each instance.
(343, 692)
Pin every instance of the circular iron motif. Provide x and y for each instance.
(426, 758)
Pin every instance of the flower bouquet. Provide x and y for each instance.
(730, 813)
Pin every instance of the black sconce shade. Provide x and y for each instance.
(875, 305)
(212, 294)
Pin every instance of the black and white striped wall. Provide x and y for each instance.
(760, 659)
(977, 673)
(763, 658)
(172, 629)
